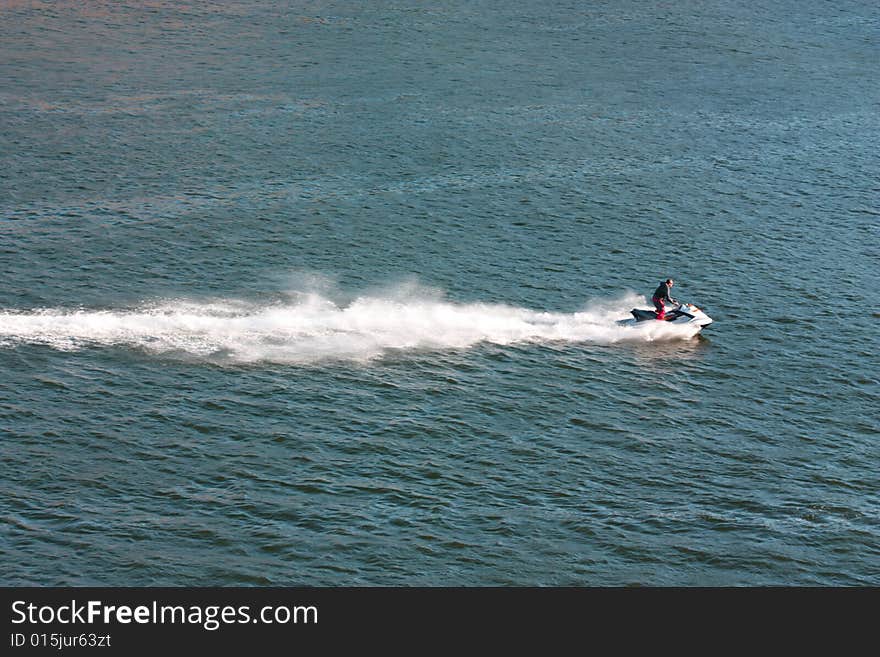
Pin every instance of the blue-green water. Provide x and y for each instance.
(325, 293)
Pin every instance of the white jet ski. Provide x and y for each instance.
(683, 314)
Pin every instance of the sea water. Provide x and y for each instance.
(327, 293)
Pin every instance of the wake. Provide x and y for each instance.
(312, 328)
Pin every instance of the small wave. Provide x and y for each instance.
(312, 328)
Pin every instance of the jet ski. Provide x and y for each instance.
(683, 314)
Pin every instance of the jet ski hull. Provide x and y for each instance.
(685, 314)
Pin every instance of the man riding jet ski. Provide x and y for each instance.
(683, 313)
(661, 294)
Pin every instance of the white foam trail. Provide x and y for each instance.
(313, 328)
